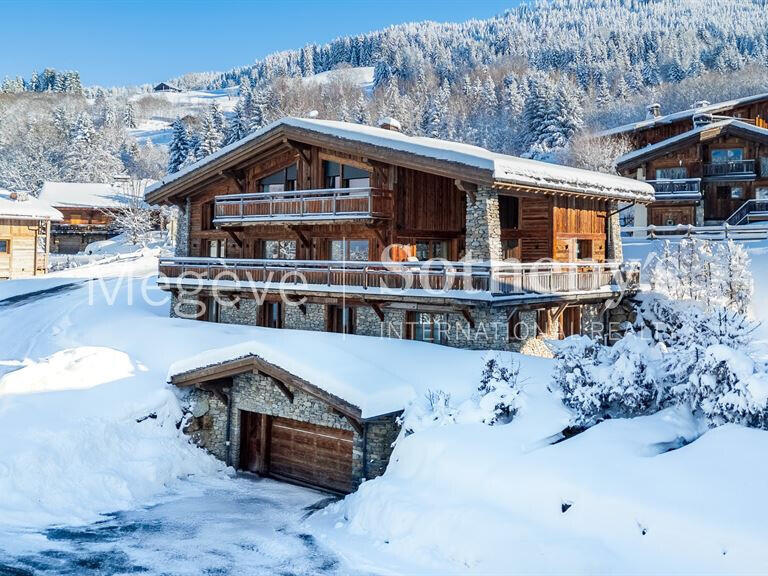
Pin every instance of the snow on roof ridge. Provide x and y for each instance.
(83, 194)
(26, 207)
(679, 115)
(502, 167)
(682, 136)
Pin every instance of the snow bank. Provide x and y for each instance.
(476, 499)
(77, 442)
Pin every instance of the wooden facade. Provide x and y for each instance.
(79, 227)
(718, 169)
(23, 248)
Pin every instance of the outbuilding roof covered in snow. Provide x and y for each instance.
(731, 126)
(717, 108)
(451, 159)
(24, 206)
(84, 195)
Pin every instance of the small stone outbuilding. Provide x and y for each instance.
(256, 416)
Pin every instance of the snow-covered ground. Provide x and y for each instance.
(94, 469)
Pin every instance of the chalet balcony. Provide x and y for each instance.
(678, 189)
(329, 205)
(726, 170)
(446, 280)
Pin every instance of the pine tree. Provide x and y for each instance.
(362, 116)
(238, 125)
(209, 138)
(179, 148)
(129, 116)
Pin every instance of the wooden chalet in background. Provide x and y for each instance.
(708, 165)
(326, 199)
(25, 223)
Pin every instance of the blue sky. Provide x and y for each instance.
(132, 42)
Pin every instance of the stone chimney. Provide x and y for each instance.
(701, 120)
(389, 123)
(652, 111)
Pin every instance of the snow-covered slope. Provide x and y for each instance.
(361, 76)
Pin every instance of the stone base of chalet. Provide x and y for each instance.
(489, 328)
(256, 395)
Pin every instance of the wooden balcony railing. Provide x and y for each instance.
(304, 205)
(439, 279)
(738, 167)
(676, 187)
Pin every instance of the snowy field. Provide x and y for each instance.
(95, 476)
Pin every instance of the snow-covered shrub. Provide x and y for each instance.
(498, 389)
(712, 274)
(601, 382)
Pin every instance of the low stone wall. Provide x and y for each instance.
(311, 318)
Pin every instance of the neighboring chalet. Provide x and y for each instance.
(25, 223)
(330, 226)
(708, 165)
(86, 210)
(163, 87)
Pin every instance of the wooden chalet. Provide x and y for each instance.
(87, 210)
(25, 223)
(165, 87)
(707, 165)
(358, 212)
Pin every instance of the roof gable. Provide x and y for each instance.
(730, 127)
(442, 157)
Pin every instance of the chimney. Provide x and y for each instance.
(389, 123)
(652, 111)
(701, 103)
(313, 114)
(701, 120)
(14, 196)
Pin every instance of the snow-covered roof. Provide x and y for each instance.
(499, 169)
(24, 206)
(379, 376)
(682, 115)
(672, 141)
(84, 195)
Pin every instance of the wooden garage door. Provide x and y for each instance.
(313, 454)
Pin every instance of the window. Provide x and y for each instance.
(764, 166)
(337, 175)
(5, 246)
(206, 215)
(217, 248)
(271, 315)
(510, 249)
(426, 327)
(280, 181)
(727, 155)
(280, 249)
(730, 192)
(761, 193)
(673, 173)
(211, 312)
(509, 210)
(583, 249)
(349, 250)
(737, 193)
(341, 319)
(570, 322)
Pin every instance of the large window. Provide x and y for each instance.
(730, 192)
(271, 315)
(349, 250)
(341, 319)
(280, 181)
(426, 327)
(280, 249)
(337, 175)
(727, 155)
(673, 173)
(509, 211)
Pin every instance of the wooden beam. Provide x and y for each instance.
(302, 149)
(280, 385)
(468, 188)
(303, 308)
(356, 424)
(377, 309)
(304, 240)
(236, 177)
(379, 234)
(234, 237)
(468, 317)
(511, 312)
(559, 311)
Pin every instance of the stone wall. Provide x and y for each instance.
(182, 230)
(483, 225)
(208, 425)
(311, 318)
(245, 311)
(184, 306)
(367, 323)
(380, 436)
(614, 247)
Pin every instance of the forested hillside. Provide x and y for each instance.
(531, 81)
